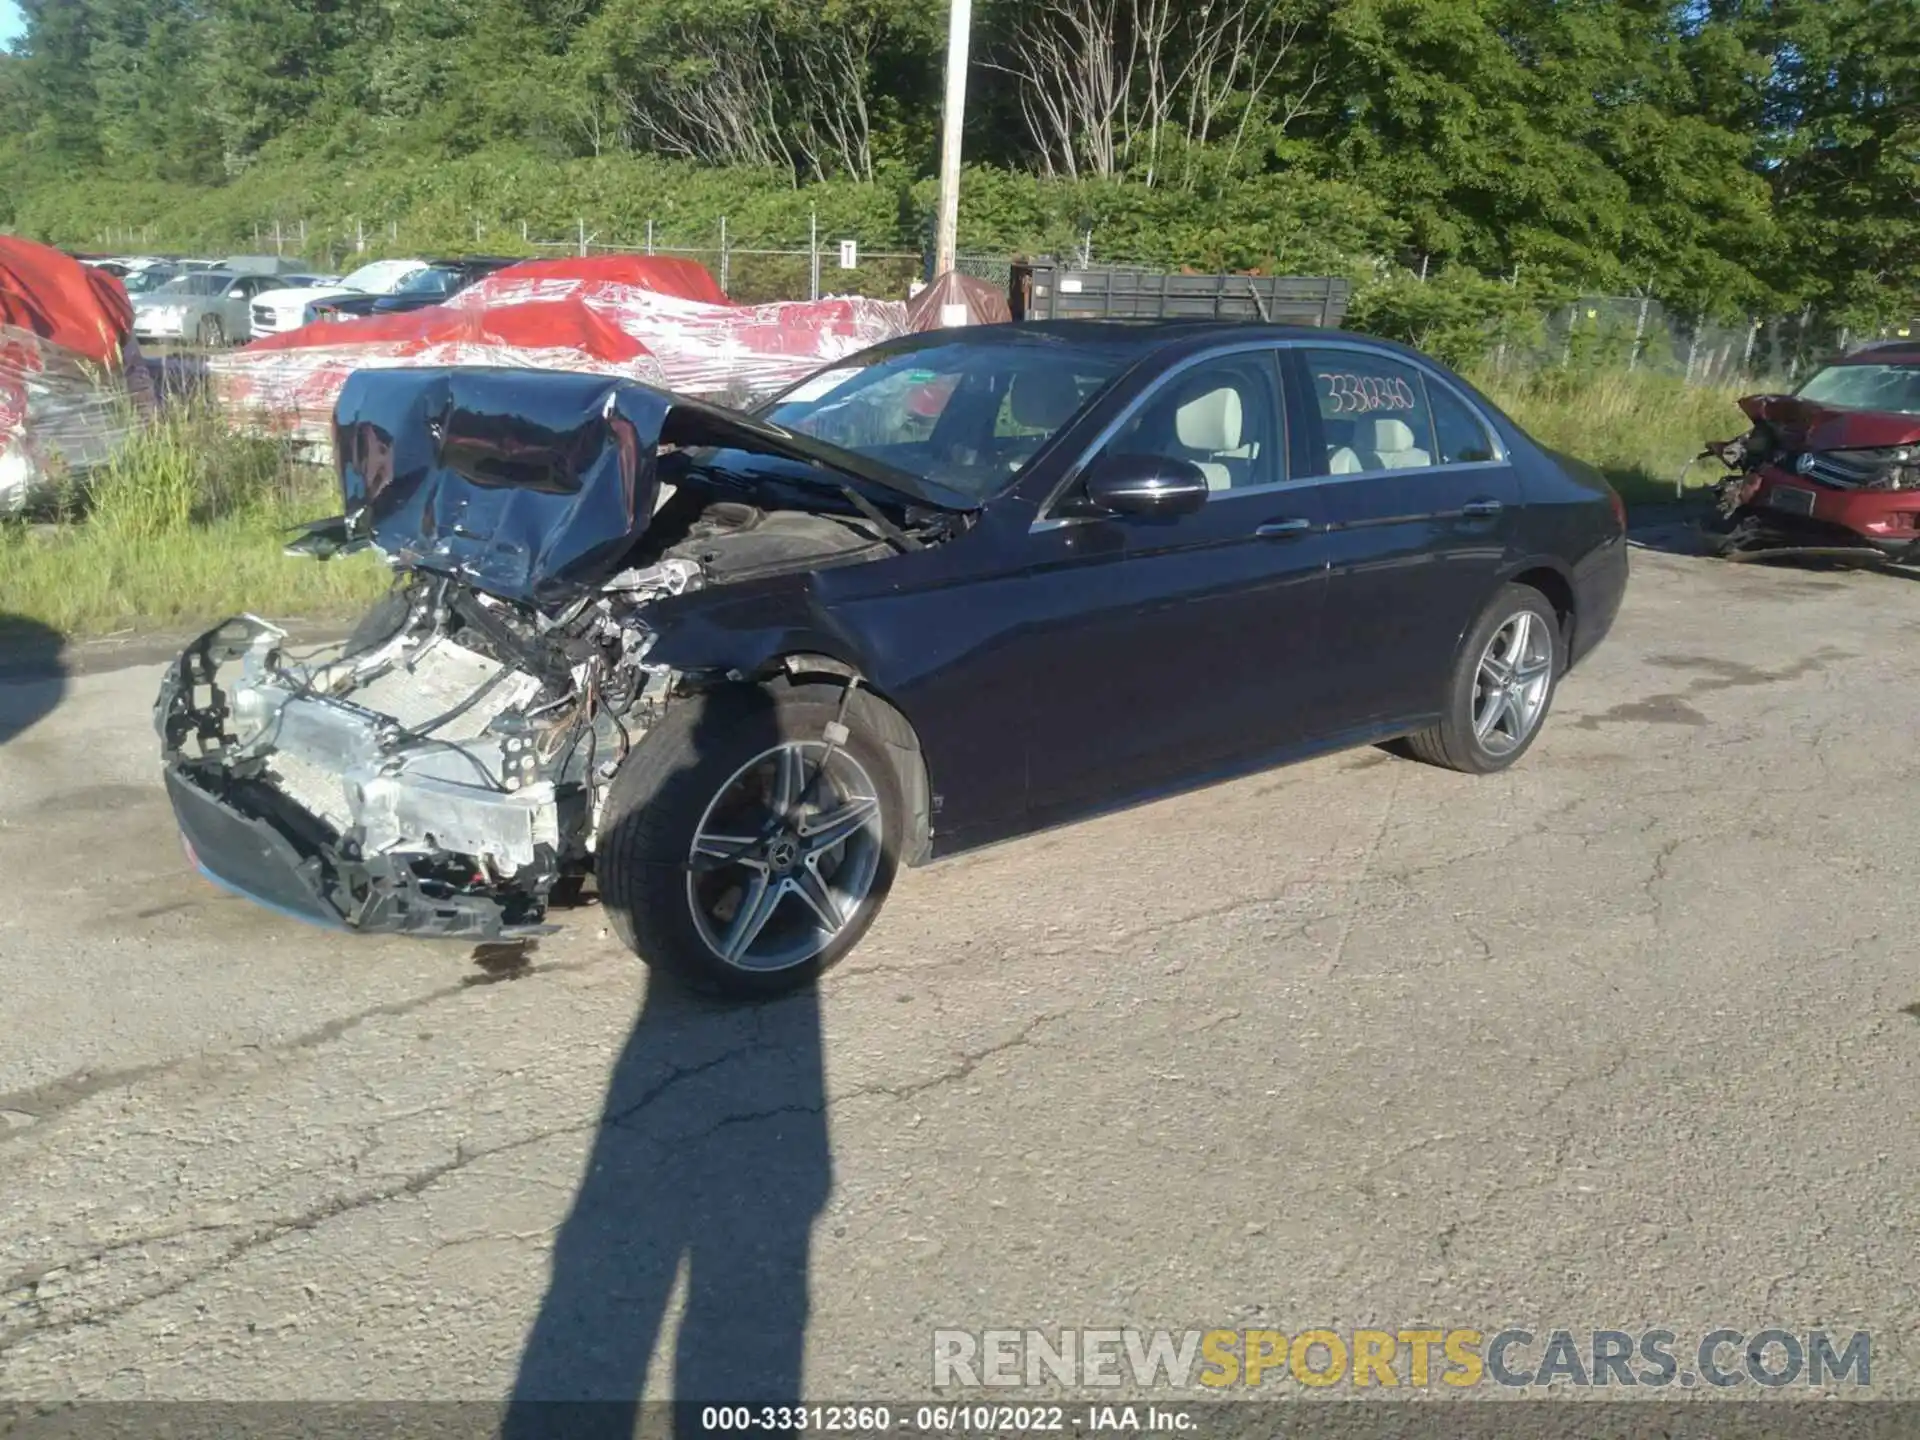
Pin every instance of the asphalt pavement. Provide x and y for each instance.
(1629, 1036)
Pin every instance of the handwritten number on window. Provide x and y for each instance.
(1349, 394)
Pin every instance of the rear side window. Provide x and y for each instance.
(1459, 437)
(1374, 412)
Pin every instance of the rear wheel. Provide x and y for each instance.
(212, 333)
(1501, 688)
(742, 850)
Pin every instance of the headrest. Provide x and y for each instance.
(1210, 421)
(1389, 435)
(1043, 399)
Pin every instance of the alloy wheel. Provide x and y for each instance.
(785, 856)
(1511, 685)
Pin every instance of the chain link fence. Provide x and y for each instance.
(1636, 332)
(1639, 333)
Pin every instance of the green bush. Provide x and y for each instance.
(185, 525)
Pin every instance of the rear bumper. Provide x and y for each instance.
(1599, 587)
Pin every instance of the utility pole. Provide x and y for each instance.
(959, 27)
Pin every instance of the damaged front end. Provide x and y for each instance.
(441, 772)
(1815, 482)
(439, 781)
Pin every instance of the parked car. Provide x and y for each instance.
(149, 277)
(276, 311)
(960, 586)
(264, 265)
(1832, 469)
(440, 281)
(208, 307)
(122, 266)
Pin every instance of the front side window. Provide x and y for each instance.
(1219, 415)
(1373, 412)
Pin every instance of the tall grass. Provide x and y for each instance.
(1640, 429)
(182, 526)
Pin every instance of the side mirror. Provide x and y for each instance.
(1157, 485)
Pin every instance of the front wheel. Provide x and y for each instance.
(742, 850)
(212, 333)
(1501, 688)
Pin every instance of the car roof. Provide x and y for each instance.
(1884, 352)
(1137, 338)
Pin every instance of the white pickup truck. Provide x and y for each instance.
(275, 311)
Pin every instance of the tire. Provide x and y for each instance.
(212, 334)
(1455, 742)
(650, 883)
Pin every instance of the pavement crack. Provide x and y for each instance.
(267, 1232)
(673, 1078)
(970, 1061)
(45, 1101)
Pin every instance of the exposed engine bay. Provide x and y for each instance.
(444, 769)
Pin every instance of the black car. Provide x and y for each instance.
(440, 281)
(958, 587)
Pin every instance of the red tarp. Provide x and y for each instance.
(661, 321)
(541, 325)
(290, 382)
(57, 298)
(67, 363)
(550, 279)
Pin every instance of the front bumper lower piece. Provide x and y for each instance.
(249, 837)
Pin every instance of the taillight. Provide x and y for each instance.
(1619, 508)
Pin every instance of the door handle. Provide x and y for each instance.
(1276, 528)
(1482, 507)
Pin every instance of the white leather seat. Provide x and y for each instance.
(1344, 460)
(1388, 445)
(1209, 427)
(1043, 399)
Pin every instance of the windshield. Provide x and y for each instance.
(381, 276)
(969, 415)
(426, 282)
(141, 281)
(205, 283)
(1894, 389)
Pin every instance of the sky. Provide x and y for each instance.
(10, 22)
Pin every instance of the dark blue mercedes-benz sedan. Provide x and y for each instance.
(736, 668)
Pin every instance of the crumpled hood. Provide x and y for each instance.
(531, 485)
(525, 484)
(1805, 425)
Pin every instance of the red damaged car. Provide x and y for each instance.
(1831, 470)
